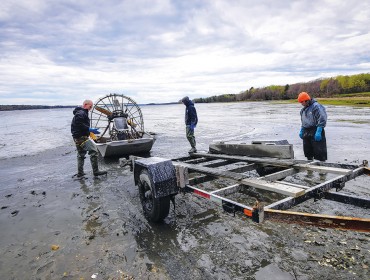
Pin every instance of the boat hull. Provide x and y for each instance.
(126, 147)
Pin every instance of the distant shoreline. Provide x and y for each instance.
(357, 100)
(31, 107)
(36, 107)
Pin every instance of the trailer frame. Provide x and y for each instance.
(206, 167)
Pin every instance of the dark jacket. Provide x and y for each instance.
(190, 112)
(80, 123)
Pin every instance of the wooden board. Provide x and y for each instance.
(323, 169)
(274, 186)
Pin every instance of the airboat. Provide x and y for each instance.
(120, 121)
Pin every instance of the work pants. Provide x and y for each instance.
(190, 136)
(314, 149)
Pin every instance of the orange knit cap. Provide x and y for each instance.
(303, 96)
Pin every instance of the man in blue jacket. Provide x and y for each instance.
(191, 120)
(80, 128)
(313, 118)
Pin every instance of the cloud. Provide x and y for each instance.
(158, 51)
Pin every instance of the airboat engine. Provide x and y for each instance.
(121, 127)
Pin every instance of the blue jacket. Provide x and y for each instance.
(191, 116)
(313, 115)
(80, 123)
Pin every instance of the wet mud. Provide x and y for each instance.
(56, 227)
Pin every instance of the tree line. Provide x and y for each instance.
(323, 87)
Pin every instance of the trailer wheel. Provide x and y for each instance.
(155, 209)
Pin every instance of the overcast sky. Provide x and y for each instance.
(60, 52)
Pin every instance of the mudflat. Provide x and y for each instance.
(56, 227)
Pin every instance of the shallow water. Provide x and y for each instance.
(348, 129)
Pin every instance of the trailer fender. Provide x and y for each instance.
(161, 173)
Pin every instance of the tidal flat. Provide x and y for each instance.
(56, 227)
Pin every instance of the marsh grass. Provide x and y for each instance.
(352, 99)
(346, 101)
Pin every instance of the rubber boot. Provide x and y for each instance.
(192, 150)
(80, 167)
(95, 167)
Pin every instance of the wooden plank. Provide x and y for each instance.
(323, 169)
(274, 186)
(182, 176)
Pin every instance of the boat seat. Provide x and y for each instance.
(120, 124)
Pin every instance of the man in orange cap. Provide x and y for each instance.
(313, 118)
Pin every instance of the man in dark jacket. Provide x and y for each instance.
(313, 117)
(191, 120)
(80, 128)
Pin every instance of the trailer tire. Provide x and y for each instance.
(155, 209)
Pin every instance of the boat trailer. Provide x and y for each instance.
(259, 187)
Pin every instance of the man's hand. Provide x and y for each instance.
(301, 132)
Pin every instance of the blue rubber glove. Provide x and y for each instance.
(301, 132)
(94, 130)
(318, 134)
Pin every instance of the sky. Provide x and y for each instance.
(61, 52)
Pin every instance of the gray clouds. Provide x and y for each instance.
(61, 52)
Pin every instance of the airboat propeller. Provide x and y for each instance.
(121, 122)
